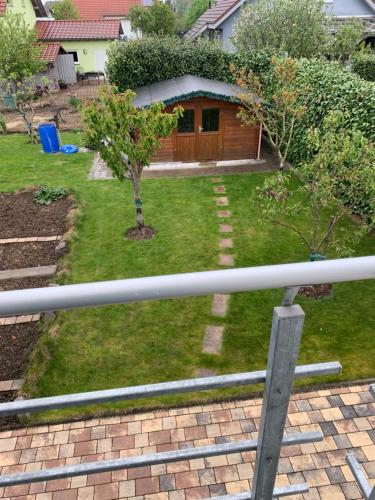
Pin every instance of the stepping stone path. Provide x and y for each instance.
(214, 334)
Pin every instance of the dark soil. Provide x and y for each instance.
(16, 344)
(31, 254)
(20, 217)
(5, 397)
(19, 284)
(134, 233)
(316, 291)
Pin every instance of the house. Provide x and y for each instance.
(31, 9)
(86, 41)
(209, 128)
(218, 21)
(90, 10)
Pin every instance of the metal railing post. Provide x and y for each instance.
(287, 326)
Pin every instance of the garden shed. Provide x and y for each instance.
(209, 128)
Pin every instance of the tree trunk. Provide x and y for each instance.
(137, 199)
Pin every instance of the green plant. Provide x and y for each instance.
(3, 125)
(297, 28)
(64, 10)
(46, 195)
(194, 11)
(363, 63)
(346, 40)
(159, 19)
(127, 138)
(153, 59)
(74, 101)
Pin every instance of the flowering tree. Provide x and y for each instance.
(127, 138)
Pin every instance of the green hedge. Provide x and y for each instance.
(150, 60)
(364, 66)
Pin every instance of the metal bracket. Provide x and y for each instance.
(290, 295)
(367, 491)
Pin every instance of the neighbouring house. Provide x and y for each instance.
(209, 128)
(218, 21)
(31, 9)
(86, 41)
(91, 10)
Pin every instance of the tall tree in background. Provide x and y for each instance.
(159, 19)
(193, 12)
(64, 10)
(298, 28)
(127, 138)
(19, 50)
(347, 39)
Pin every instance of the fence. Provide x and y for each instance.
(281, 370)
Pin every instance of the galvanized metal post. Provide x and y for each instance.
(285, 340)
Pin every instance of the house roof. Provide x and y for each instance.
(212, 16)
(50, 51)
(184, 88)
(78, 30)
(40, 11)
(100, 9)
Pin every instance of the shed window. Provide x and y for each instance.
(186, 122)
(75, 55)
(210, 119)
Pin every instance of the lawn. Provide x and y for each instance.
(158, 341)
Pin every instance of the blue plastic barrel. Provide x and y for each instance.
(49, 138)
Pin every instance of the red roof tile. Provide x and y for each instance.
(99, 9)
(78, 30)
(50, 51)
(3, 5)
(211, 16)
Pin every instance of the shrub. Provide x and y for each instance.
(74, 101)
(46, 195)
(364, 66)
(153, 59)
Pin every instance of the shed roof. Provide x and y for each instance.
(50, 51)
(78, 30)
(184, 88)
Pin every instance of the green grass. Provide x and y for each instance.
(158, 341)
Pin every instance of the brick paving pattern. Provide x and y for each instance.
(346, 416)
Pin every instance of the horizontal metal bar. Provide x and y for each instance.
(372, 390)
(146, 391)
(185, 285)
(283, 491)
(359, 475)
(146, 460)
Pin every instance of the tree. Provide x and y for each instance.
(277, 106)
(298, 28)
(159, 19)
(341, 169)
(127, 138)
(347, 39)
(19, 50)
(195, 10)
(64, 10)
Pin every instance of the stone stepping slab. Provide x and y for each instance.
(28, 272)
(220, 305)
(217, 179)
(222, 201)
(205, 372)
(225, 228)
(29, 239)
(226, 260)
(16, 320)
(10, 385)
(213, 339)
(224, 213)
(226, 243)
(219, 189)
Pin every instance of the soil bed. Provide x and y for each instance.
(12, 420)
(16, 343)
(20, 217)
(19, 284)
(31, 254)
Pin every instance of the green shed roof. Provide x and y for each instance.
(184, 88)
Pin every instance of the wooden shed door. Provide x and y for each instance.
(209, 134)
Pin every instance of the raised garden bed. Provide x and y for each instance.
(31, 254)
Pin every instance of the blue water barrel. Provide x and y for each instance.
(49, 138)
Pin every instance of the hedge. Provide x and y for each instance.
(364, 66)
(150, 60)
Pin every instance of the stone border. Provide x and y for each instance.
(30, 239)
(17, 320)
(11, 385)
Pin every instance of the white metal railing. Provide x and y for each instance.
(285, 339)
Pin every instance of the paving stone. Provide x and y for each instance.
(335, 475)
(342, 441)
(335, 401)
(213, 339)
(167, 482)
(205, 372)
(217, 179)
(225, 228)
(5, 385)
(226, 243)
(219, 189)
(222, 201)
(224, 213)
(226, 260)
(146, 485)
(328, 428)
(351, 491)
(217, 490)
(220, 305)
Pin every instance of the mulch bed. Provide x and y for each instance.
(31, 254)
(19, 284)
(16, 344)
(20, 217)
